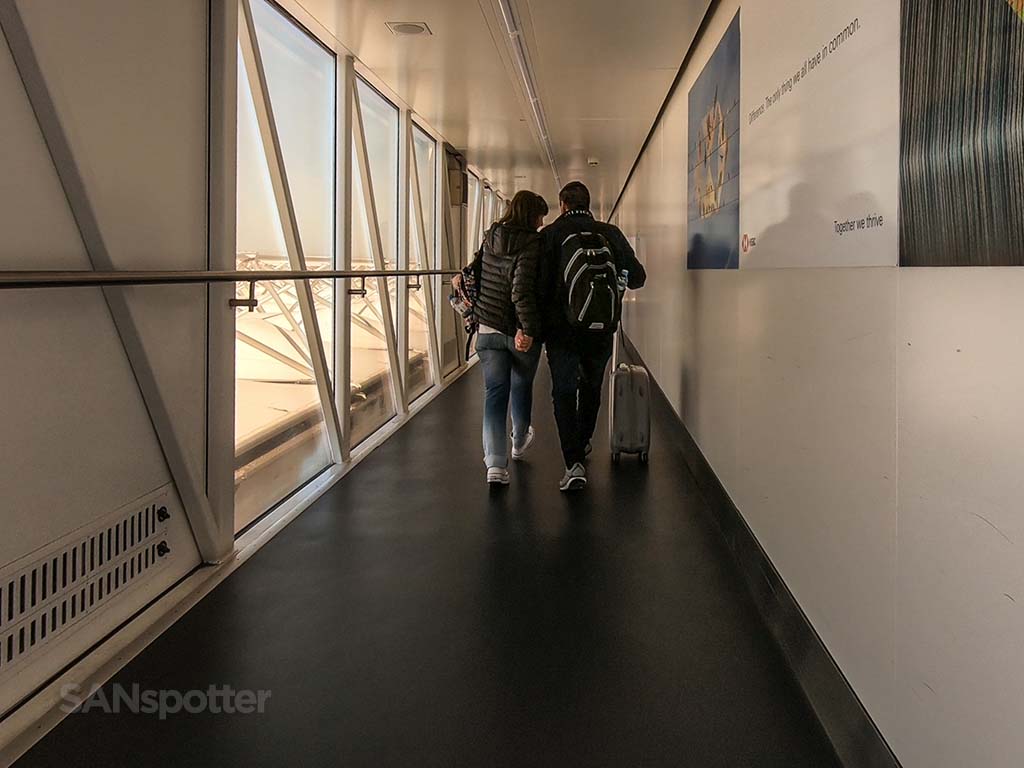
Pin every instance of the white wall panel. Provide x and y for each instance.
(77, 440)
(37, 226)
(129, 83)
(816, 476)
(961, 522)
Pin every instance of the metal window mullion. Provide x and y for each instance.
(343, 235)
(421, 234)
(454, 259)
(373, 226)
(444, 244)
(212, 540)
(468, 224)
(471, 227)
(404, 241)
(256, 74)
(440, 179)
(222, 239)
(479, 219)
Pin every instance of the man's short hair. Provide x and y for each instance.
(575, 196)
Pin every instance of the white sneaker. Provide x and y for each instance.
(497, 476)
(520, 452)
(574, 479)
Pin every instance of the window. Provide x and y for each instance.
(280, 437)
(418, 371)
(473, 217)
(453, 236)
(488, 205)
(372, 400)
(285, 426)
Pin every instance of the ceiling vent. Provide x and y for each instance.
(409, 28)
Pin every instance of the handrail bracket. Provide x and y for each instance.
(250, 302)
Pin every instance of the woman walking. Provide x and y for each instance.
(509, 316)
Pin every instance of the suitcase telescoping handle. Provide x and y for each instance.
(616, 364)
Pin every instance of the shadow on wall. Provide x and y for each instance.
(705, 254)
(792, 240)
(807, 236)
(796, 240)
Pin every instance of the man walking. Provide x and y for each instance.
(586, 267)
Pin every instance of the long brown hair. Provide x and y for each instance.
(524, 209)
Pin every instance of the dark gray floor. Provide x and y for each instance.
(412, 617)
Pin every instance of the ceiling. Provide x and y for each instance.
(602, 68)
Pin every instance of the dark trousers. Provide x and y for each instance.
(577, 362)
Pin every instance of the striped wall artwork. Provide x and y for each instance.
(962, 133)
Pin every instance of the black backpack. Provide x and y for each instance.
(591, 279)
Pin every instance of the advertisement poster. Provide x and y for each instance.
(821, 134)
(713, 152)
(963, 162)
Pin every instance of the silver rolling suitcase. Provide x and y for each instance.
(630, 412)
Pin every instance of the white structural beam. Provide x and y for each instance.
(212, 541)
(256, 74)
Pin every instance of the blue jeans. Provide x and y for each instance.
(507, 374)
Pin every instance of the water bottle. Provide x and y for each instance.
(623, 280)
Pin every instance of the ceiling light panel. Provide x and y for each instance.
(521, 55)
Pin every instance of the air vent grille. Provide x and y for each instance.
(401, 28)
(42, 600)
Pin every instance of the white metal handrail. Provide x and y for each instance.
(22, 279)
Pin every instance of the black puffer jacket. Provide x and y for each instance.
(507, 264)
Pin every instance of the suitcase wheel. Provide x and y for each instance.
(644, 457)
(615, 457)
